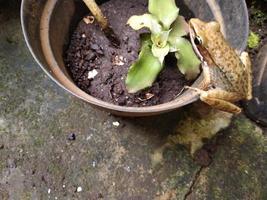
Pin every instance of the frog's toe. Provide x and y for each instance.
(245, 59)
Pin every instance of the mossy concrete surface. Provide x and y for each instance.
(38, 161)
(239, 166)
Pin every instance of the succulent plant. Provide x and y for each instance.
(167, 36)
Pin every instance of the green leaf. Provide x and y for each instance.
(145, 21)
(178, 29)
(160, 53)
(160, 39)
(187, 61)
(144, 71)
(165, 10)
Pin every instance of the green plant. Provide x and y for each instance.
(253, 40)
(167, 30)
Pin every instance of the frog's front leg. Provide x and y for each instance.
(206, 75)
(220, 99)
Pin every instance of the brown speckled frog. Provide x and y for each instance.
(227, 77)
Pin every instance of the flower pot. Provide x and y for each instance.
(48, 24)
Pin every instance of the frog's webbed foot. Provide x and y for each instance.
(248, 73)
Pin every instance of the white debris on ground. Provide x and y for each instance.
(118, 60)
(79, 189)
(94, 164)
(117, 124)
(92, 74)
(127, 168)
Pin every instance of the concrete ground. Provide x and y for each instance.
(141, 159)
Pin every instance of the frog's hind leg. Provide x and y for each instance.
(220, 99)
(248, 74)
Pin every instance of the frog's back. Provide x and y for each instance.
(229, 63)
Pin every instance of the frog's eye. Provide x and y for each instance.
(198, 40)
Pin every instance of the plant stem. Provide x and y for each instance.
(102, 21)
(96, 11)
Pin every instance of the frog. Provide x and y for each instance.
(227, 76)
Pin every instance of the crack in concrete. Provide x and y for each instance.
(198, 173)
(220, 136)
(191, 187)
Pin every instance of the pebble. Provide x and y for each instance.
(94, 163)
(72, 137)
(92, 74)
(79, 189)
(49, 191)
(117, 124)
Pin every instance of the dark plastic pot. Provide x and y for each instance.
(48, 24)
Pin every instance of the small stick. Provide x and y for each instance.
(96, 11)
(103, 22)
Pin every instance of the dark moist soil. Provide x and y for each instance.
(90, 50)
